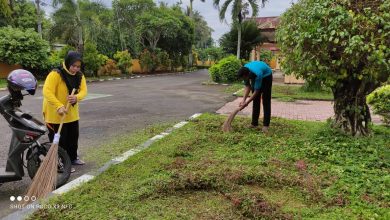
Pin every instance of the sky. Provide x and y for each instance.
(210, 13)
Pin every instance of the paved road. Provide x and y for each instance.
(122, 106)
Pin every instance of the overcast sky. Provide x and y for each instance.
(207, 10)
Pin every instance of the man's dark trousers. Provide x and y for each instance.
(265, 92)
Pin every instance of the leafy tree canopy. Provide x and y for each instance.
(345, 46)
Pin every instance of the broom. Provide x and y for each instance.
(45, 179)
(227, 125)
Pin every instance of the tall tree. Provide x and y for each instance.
(191, 7)
(39, 18)
(191, 16)
(24, 15)
(67, 22)
(125, 16)
(99, 27)
(203, 32)
(345, 46)
(155, 24)
(239, 7)
(5, 12)
(184, 35)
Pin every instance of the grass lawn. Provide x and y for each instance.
(198, 172)
(118, 145)
(287, 93)
(3, 83)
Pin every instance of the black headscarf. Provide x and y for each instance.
(71, 81)
(72, 57)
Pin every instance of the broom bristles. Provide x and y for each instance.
(45, 179)
(227, 126)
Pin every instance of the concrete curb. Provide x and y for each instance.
(214, 84)
(137, 76)
(235, 94)
(29, 209)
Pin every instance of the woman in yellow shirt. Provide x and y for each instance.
(56, 93)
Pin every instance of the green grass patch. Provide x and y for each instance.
(234, 88)
(121, 144)
(3, 83)
(289, 93)
(199, 172)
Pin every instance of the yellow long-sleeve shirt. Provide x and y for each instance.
(55, 95)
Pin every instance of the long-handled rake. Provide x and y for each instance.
(45, 179)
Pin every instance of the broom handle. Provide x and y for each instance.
(63, 116)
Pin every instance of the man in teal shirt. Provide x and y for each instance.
(257, 76)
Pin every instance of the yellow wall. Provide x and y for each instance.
(273, 63)
(206, 63)
(292, 79)
(136, 67)
(5, 69)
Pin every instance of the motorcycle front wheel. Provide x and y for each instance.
(63, 168)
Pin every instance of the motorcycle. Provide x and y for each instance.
(25, 150)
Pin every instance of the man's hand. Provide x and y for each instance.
(72, 99)
(61, 111)
(242, 103)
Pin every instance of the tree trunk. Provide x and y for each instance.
(80, 44)
(190, 58)
(352, 114)
(239, 40)
(39, 19)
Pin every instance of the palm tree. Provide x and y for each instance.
(239, 9)
(251, 36)
(71, 20)
(191, 9)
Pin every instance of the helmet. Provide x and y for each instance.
(22, 80)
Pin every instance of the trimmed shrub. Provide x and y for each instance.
(24, 47)
(163, 59)
(214, 73)
(225, 70)
(175, 62)
(57, 57)
(92, 59)
(266, 55)
(148, 61)
(109, 69)
(184, 61)
(380, 101)
(124, 61)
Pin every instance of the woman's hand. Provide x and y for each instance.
(61, 111)
(72, 99)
